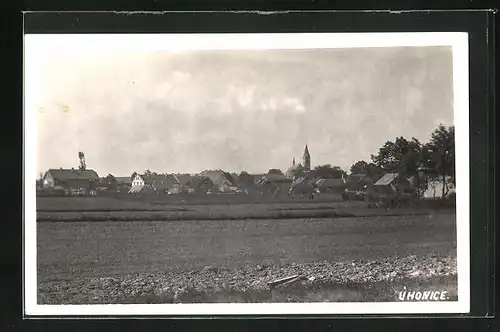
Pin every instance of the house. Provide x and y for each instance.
(141, 189)
(160, 184)
(200, 185)
(185, 180)
(165, 183)
(257, 177)
(303, 186)
(137, 181)
(295, 171)
(246, 182)
(221, 180)
(123, 182)
(274, 184)
(331, 186)
(358, 182)
(71, 180)
(391, 184)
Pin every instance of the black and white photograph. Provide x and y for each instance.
(194, 174)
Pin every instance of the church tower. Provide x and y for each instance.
(307, 159)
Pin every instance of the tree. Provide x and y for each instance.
(440, 155)
(201, 185)
(362, 167)
(246, 180)
(133, 175)
(39, 181)
(275, 171)
(109, 181)
(110, 178)
(229, 176)
(148, 172)
(359, 167)
(329, 172)
(401, 156)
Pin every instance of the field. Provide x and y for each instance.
(249, 251)
(112, 209)
(229, 252)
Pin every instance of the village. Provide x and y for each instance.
(298, 181)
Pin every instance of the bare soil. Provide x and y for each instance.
(152, 261)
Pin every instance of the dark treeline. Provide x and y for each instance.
(435, 159)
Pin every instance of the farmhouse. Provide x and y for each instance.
(330, 185)
(160, 184)
(123, 182)
(200, 185)
(71, 179)
(302, 186)
(183, 179)
(392, 184)
(138, 180)
(274, 184)
(221, 180)
(358, 182)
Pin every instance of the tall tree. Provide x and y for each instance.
(440, 155)
(401, 156)
(133, 175)
(329, 172)
(362, 167)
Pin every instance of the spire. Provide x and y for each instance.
(307, 159)
(293, 162)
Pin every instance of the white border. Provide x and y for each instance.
(108, 44)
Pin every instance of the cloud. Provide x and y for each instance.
(253, 110)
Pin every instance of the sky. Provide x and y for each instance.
(187, 111)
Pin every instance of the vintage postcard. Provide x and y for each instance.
(246, 174)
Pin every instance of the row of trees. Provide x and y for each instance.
(434, 160)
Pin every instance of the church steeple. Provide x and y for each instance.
(307, 159)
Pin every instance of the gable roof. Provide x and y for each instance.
(269, 178)
(330, 183)
(161, 182)
(358, 180)
(183, 179)
(123, 179)
(257, 177)
(218, 177)
(141, 188)
(387, 179)
(295, 167)
(70, 174)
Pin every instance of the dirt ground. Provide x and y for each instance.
(76, 249)
(76, 255)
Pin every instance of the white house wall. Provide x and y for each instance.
(138, 181)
